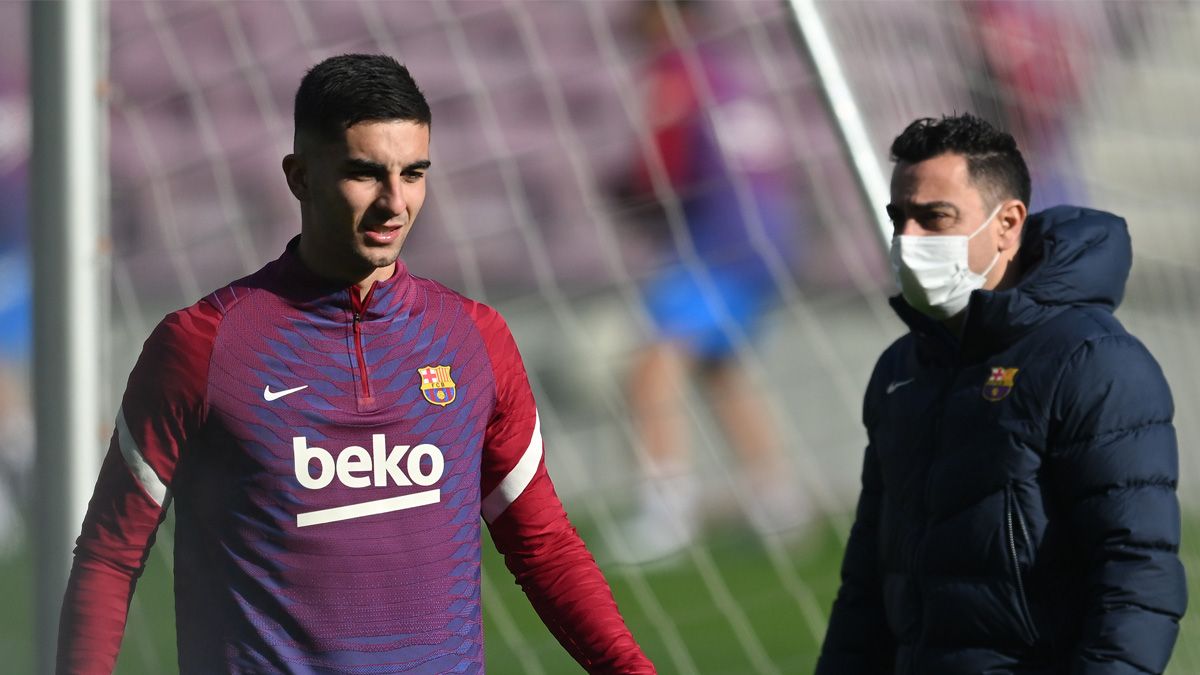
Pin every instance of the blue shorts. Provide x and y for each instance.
(705, 316)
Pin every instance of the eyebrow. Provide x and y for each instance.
(366, 165)
(924, 206)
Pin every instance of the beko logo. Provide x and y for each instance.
(356, 467)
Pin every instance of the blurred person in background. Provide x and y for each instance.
(331, 429)
(1033, 84)
(1018, 510)
(713, 149)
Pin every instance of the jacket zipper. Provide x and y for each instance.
(359, 306)
(1012, 510)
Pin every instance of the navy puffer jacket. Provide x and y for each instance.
(1018, 511)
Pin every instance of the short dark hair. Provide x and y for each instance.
(994, 163)
(342, 91)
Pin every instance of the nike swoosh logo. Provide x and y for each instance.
(272, 395)
(899, 383)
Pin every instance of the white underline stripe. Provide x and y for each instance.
(333, 515)
(136, 461)
(517, 479)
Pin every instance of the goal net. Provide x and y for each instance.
(541, 137)
(557, 197)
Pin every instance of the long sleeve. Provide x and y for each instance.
(531, 529)
(858, 640)
(160, 412)
(1115, 457)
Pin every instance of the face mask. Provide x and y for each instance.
(933, 273)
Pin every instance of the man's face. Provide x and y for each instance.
(936, 198)
(359, 195)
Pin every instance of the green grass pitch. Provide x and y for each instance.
(681, 591)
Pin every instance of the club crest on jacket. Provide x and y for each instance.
(999, 383)
(436, 385)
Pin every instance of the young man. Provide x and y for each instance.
(1018, 511)
(330, 429)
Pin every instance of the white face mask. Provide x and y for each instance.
(933, 273)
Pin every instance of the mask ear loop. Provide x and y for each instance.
(981, 228)
(986, 222)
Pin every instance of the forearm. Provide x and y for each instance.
(1137, 597)
(565, 586)
(109, 557)
(858, 641)
(569, 593)
(93, 618)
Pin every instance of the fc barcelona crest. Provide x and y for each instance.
(436, 385)
(999, 383)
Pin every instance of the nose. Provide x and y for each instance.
(910, 227)
(906, 227)
(391, 195)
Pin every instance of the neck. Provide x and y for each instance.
(322, 265)
(1011, 275)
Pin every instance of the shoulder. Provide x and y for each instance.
(897, 354)
(231, 297)
(186, 333)
(176, 356)
(497, 338)
(897, 363)
(489, 321)
(172, 371)
(1111, 357)
(1090, 345)
(490, 324)
(1110, 380)
(1078, 325)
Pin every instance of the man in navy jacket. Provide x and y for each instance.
(1018, 511)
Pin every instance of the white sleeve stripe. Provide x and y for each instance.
(517, 479)
(141, 470)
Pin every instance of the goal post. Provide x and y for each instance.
(68, 213)
(814, 41)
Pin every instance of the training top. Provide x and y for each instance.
(329, 459)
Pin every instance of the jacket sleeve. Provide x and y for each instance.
(160, 412)
(1114, 451)
(858, 641)
(531, 529)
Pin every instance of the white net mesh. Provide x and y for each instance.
(540, 128)
(539, 110)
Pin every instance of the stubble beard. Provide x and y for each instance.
(376, 256)
(378, 260)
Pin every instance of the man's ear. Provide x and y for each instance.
(1012, 221)
(296, 172)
